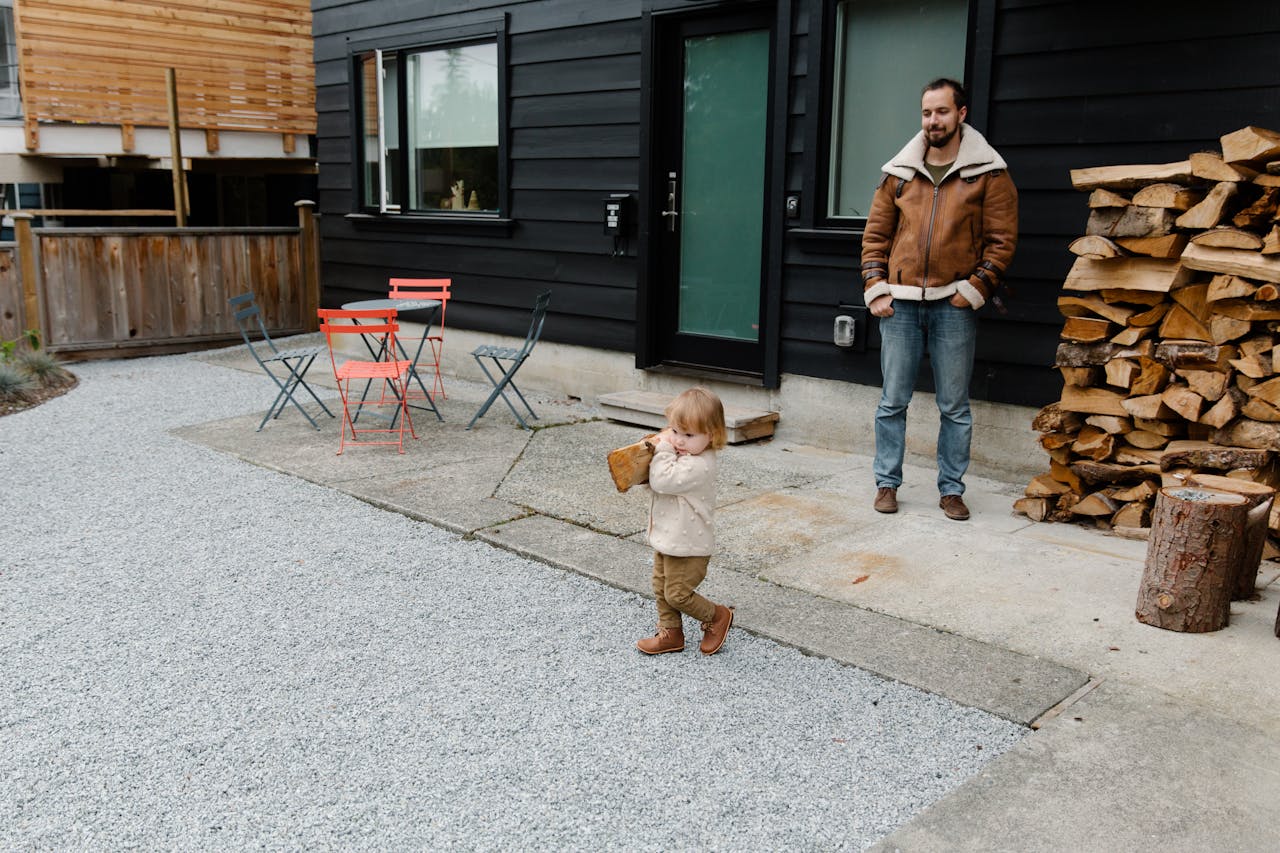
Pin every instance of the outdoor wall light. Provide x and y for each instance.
(845, 332)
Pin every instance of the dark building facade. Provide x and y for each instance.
(688, 177)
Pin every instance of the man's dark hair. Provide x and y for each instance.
(957, 88)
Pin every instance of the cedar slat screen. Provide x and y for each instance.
(239, 65)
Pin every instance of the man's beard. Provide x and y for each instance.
(941, 141)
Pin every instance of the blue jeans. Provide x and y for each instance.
(949, 334)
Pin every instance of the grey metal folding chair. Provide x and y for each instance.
(296, 361)
(513, 359)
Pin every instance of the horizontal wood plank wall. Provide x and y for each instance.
(574, 96)
(239, 65)
(154, 287)
(13, 321)
(1064, 94)
(1156, 82)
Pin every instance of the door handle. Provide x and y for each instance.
(671, 214)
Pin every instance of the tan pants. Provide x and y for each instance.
(674, 582)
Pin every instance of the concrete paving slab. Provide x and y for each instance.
(464, 397)
(1014, 686)
(1122, 769)
(617, 562)
(563, 473)
(1060, 592)
(446, 477)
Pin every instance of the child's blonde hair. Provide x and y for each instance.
(699, 410)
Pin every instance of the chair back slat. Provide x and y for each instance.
(383, 322)
(424, 288)
(245, 309)
(353, 314)
(420, 288)
(538, 321)
(362, 329)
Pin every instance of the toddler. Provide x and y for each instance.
(682, 479)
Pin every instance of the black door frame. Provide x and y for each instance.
(661, 18)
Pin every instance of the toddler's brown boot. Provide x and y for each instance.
(666, 640)
(715, 631)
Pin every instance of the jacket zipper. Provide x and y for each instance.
(928, 244)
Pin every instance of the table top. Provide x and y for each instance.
(398, 304)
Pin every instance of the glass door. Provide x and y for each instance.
(711, 168)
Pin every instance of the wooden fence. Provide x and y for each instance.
(105, 292)
(11, 313)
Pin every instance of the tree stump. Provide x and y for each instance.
(1258, 497)
(1193, 559)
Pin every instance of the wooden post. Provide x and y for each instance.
(175, 149)
(1193, 558)
(309, 256)
(1258, 498)
(32, 316)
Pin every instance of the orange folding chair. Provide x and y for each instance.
(391, 371)
(426, 288)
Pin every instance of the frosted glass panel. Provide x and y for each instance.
(454, 97)
(725, 119)
(453, 130)
(886, 51)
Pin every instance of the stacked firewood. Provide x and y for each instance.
(1170, 352)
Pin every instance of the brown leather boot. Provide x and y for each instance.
(886, 500)
(715, 631)
(666, 640)
(953, 507)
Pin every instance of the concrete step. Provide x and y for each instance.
(645, 408)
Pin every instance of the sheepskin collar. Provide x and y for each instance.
(974, 157)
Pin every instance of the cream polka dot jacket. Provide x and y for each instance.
(682, 509)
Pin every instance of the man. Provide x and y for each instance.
(939, 237)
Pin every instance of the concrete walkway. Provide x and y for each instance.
(1144, 738)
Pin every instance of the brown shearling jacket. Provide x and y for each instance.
(927, 242)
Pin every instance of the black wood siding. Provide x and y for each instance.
(1072, 85)
(1092, 84)
(573, 100)
(1057, 86)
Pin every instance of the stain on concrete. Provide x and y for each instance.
(875, 565)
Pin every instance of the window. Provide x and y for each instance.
(885, 52)
(431, 135)
(10, 100)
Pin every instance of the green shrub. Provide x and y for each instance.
(30, 337)
(14, 383)
(43, 368)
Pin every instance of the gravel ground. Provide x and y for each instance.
(198, 652)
